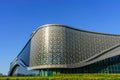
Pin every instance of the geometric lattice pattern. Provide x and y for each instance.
(55, 44)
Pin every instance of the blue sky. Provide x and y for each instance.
(19, 18)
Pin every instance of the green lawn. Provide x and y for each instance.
(69, 77)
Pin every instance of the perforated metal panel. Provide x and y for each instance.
(60, 45)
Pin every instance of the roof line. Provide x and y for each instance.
(61, 25)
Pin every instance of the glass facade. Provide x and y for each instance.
(21, 71)
(109, 65)
(56, 49)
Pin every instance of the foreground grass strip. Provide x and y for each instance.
(68, 77)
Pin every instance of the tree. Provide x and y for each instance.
(1, 74)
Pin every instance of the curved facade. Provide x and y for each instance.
(55, 49)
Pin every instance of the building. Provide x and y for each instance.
(57, 49)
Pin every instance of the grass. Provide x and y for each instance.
(68, 77)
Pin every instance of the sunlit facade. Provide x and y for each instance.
(56, 49)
